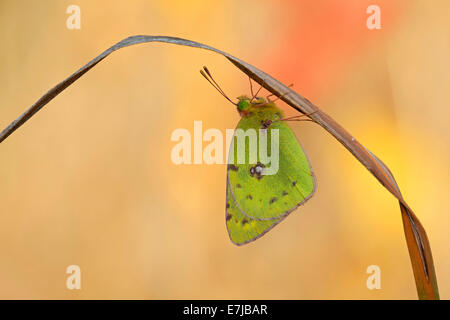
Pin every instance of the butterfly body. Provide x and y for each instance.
(256, 201)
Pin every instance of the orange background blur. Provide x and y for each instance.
(89, 180)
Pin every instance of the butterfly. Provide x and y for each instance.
(257, 200)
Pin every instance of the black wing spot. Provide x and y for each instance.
(285, 193)
(229, 216)
(244, 221)
(238, 185)
(273, 200)
(233, 167)
(228, 205)
(294, 183)
(249, 196)
(265, 123)
(256, 171)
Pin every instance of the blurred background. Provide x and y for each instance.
(89, 180)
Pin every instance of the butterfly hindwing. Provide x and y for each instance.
(241, 228)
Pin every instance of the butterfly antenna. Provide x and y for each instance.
(207, 75)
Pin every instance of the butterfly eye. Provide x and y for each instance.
(243, 104)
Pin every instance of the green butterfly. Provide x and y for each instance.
(256, 202)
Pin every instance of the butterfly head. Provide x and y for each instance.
(245, 102)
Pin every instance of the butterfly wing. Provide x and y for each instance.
(241, 228)
(259, 202)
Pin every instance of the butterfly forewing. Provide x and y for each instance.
(266, 197)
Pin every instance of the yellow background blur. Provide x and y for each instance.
(89, 180)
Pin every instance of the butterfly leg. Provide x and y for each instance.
(254, 96)
(251, 86)
(268, 97)
(297, 118)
